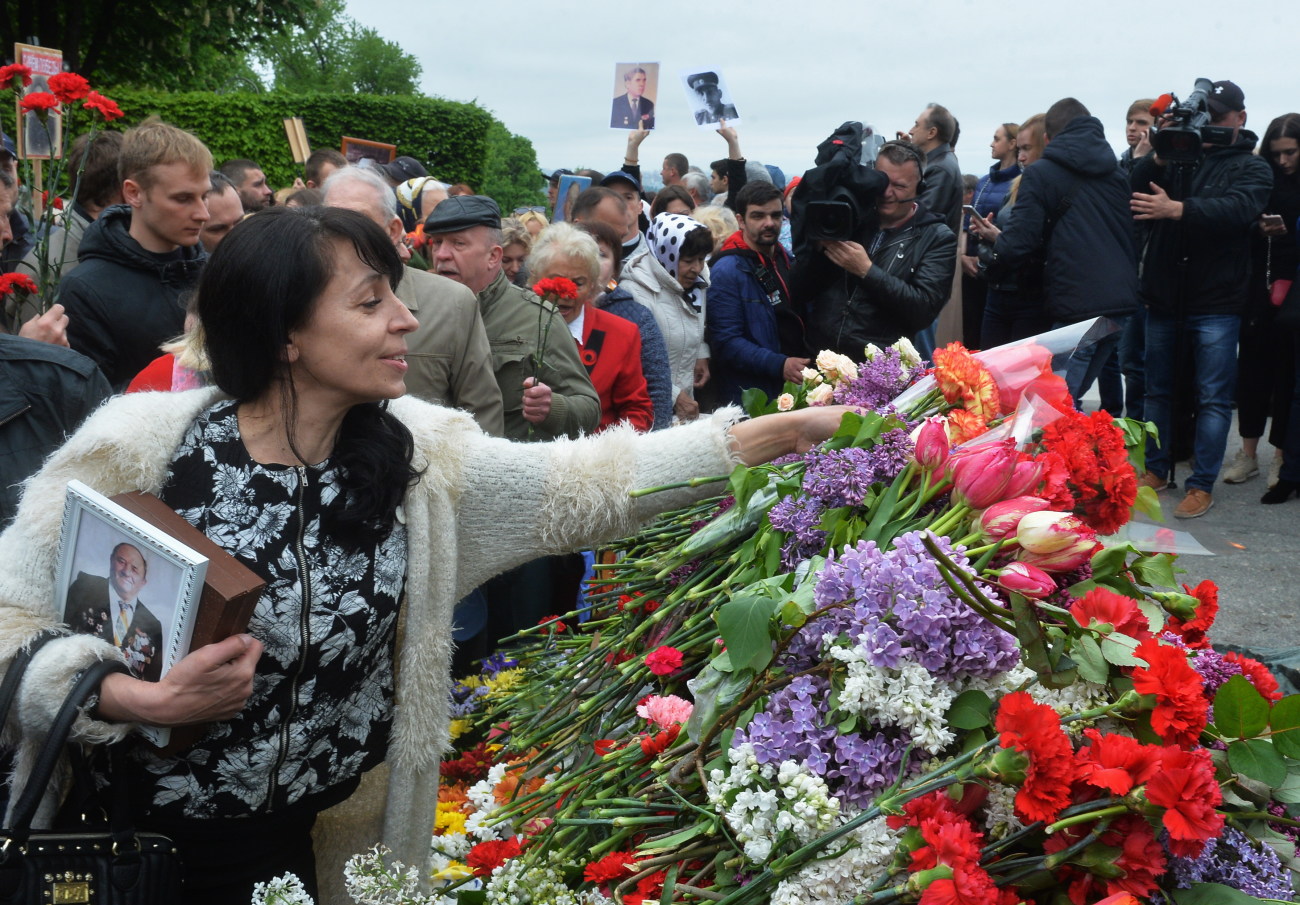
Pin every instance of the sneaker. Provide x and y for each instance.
(1241, 469)
(1275, 469)
(1153, 481)
(1195, 504)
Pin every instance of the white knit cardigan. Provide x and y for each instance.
(483, 505)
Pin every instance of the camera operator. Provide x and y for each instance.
(891, 278)
(1195, 269)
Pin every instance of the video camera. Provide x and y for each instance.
(1184, 138)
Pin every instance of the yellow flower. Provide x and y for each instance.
(504, 682)
(454, 870)
(449, 822)
(459, 728)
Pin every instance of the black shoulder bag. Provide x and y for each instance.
(84, 863)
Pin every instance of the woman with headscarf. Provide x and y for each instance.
(671, 278)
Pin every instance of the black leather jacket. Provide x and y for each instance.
(903, 292)
(45, 393)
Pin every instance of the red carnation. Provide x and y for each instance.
(1116, 763)
(614, 866)
(1181, 709)
(40, 103)
(15, 76)
(1258, 675)
(1194, 631)
(1129, 844)
(69, 87)
(1103, 606)
(556, 287)
(1186, 789)
(488, 856)
(11, 281)
(605, 746)
(1035, 730)
(654, 745)
(470, 767)
(664, 661)
(649, 888)
(103, 106)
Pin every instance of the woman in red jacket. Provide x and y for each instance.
(610, 346)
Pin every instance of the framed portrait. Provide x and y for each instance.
(636, 87)
(39, 140)
(709, 97)
(358, 149)
(129, 583)
(570, 187)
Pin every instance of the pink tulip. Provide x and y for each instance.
(1026, 479)
(1055, 541)
(932, 445)
(980, 475)
(999, 521)
(1028, 580)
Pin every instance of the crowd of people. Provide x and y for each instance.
(293, 313)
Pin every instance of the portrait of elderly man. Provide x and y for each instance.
(111, 609)
(710, 104)
(632, 108)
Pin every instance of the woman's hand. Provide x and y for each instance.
(984, 228)
(701, 372)
(211, 683)
(686, 408)
(772, 436)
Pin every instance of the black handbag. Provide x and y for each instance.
(88, 861)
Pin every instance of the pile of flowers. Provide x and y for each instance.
(909, 666)
(69, 108)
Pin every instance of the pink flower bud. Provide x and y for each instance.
(1025, 480)
(1066, 560)
(932, 445)
(1048, 532)
(980, 475)
(1028, 580)
(999, 521)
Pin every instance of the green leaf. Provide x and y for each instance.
(1118, 649)
(677, 839)
(1148, 504)
(848, 724)
(1239, 710)
(743, 622)
(1289, 791)
(1155, 569)
(970, 710)
(1087, 656)
(754, 402)
(1285, 722)
(1257, 759)
(1111, 561)
(1212, 893)
(471, 896)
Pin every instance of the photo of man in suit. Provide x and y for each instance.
(110, 608)
(632, 108)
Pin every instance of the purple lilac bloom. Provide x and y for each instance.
(1234, 860)
(466, 700)
(1214, 670)
(799, 517)
(904, 589)
(878, 382)
(498, 662)
(843, 477)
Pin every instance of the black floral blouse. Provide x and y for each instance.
(322, 700)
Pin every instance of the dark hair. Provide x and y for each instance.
(596, 176)
(234, 170)
(755, 193)
(698, 243)
(99, 183)
(305, 198)
(943, 122)
(261, 284)
(1061, 114)
(719, 167)
(901, 152)
(589, 199)
(220, 182)
(1285, 126)
(678, 162)
(317, 160)
(604, 234)
(670, 193)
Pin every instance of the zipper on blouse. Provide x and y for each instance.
(304, 636)
(12, 415)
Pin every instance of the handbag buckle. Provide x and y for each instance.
(67, 888)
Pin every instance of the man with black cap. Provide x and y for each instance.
(709, 95)
(1194, 274)
(627, 187)
(21, 240)
(465, 245)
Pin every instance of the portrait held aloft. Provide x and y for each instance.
(634, 90)
(707, 93)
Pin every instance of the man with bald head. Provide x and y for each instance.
(110, 608)
(449, 358)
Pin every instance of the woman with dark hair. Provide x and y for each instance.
(672, 199)
(367, 512)
(990, 191)
(1265, 355)
(670, 277)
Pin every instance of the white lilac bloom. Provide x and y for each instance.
(869, 853)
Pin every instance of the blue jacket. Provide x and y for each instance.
(742, 329)
(992, 188)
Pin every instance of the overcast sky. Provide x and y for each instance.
(797, 70)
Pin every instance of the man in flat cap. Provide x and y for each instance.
(465, 245)
(709, 97)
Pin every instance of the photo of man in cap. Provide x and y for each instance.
(708, 96)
